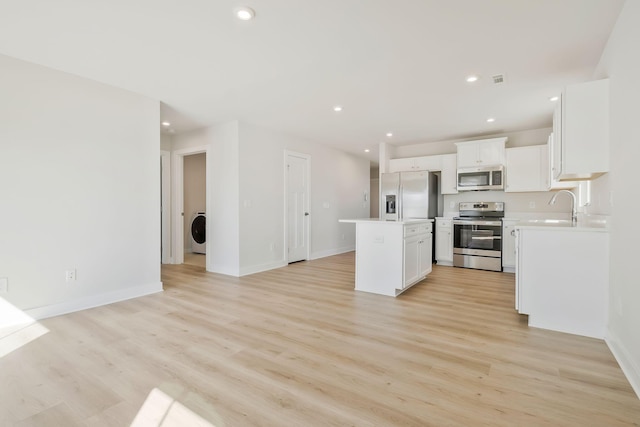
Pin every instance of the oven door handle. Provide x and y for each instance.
(464, 222)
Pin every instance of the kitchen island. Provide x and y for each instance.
(391, 256)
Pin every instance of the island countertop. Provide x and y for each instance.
(384, 221)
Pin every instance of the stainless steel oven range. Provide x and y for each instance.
(477, 236)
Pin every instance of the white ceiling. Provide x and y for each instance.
(394, 65)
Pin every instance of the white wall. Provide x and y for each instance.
(223, 221)
(246, 163)
(515, 139)
(80, 189)
(195, 192)
(621, 63)
(338, 180)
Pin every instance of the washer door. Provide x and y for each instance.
(198, 229)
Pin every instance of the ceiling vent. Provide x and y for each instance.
(499, 79)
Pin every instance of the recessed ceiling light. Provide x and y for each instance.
(337, 108)
(554, 98)
(245, 13)
(472, 78)
(389, 134)
(166, 124)
(366, 150)
(491, 120)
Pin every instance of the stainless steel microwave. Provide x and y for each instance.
(486, 178)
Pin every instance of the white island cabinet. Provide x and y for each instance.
(391, 256)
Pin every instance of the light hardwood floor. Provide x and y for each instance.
(297, 346)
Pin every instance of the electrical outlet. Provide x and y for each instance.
(532, 205)
(70, 275)
(4, 285)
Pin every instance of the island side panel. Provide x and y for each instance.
(379, 257)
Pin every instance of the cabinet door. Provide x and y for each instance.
(486, 152)
(556, 142)
(467, 156)
(411, 260)
(552, 183)
(426, 254)
(491, 153)
(527, 169)
(401, 165)
(444, 242)
(449, 175)
(508, 244)
(428, 163)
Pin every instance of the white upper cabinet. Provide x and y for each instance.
(527, 169)
(581, 132)
(424, 163)
(486, 152)
(554, 184)
(449, 175)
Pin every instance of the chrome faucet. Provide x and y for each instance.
(574, 212)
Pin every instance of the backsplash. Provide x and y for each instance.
(516, 204)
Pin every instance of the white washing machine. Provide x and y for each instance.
(199, 233)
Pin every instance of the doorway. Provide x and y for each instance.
(297, 226)
(166, 255)
(191, 203)
(195, 208)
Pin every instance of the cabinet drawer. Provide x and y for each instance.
(443, 223)
(412, 230)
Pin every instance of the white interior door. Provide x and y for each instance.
(297, 207)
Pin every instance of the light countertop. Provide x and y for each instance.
(563, 225)
(384, 221)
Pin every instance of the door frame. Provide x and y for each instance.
(307, 227)
(165, 208)
(178, 201)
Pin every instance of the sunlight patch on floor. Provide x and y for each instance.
(160, 409)
(16, 328)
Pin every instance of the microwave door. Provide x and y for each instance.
(473, 179)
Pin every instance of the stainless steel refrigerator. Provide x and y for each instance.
(406, 195)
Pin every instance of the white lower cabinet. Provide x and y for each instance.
(509, 245)
(562, 279)
(417, 253)
(444, 241)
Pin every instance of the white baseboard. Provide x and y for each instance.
(245, 271)
(92, 301)
(630, 369)
(331, 252)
